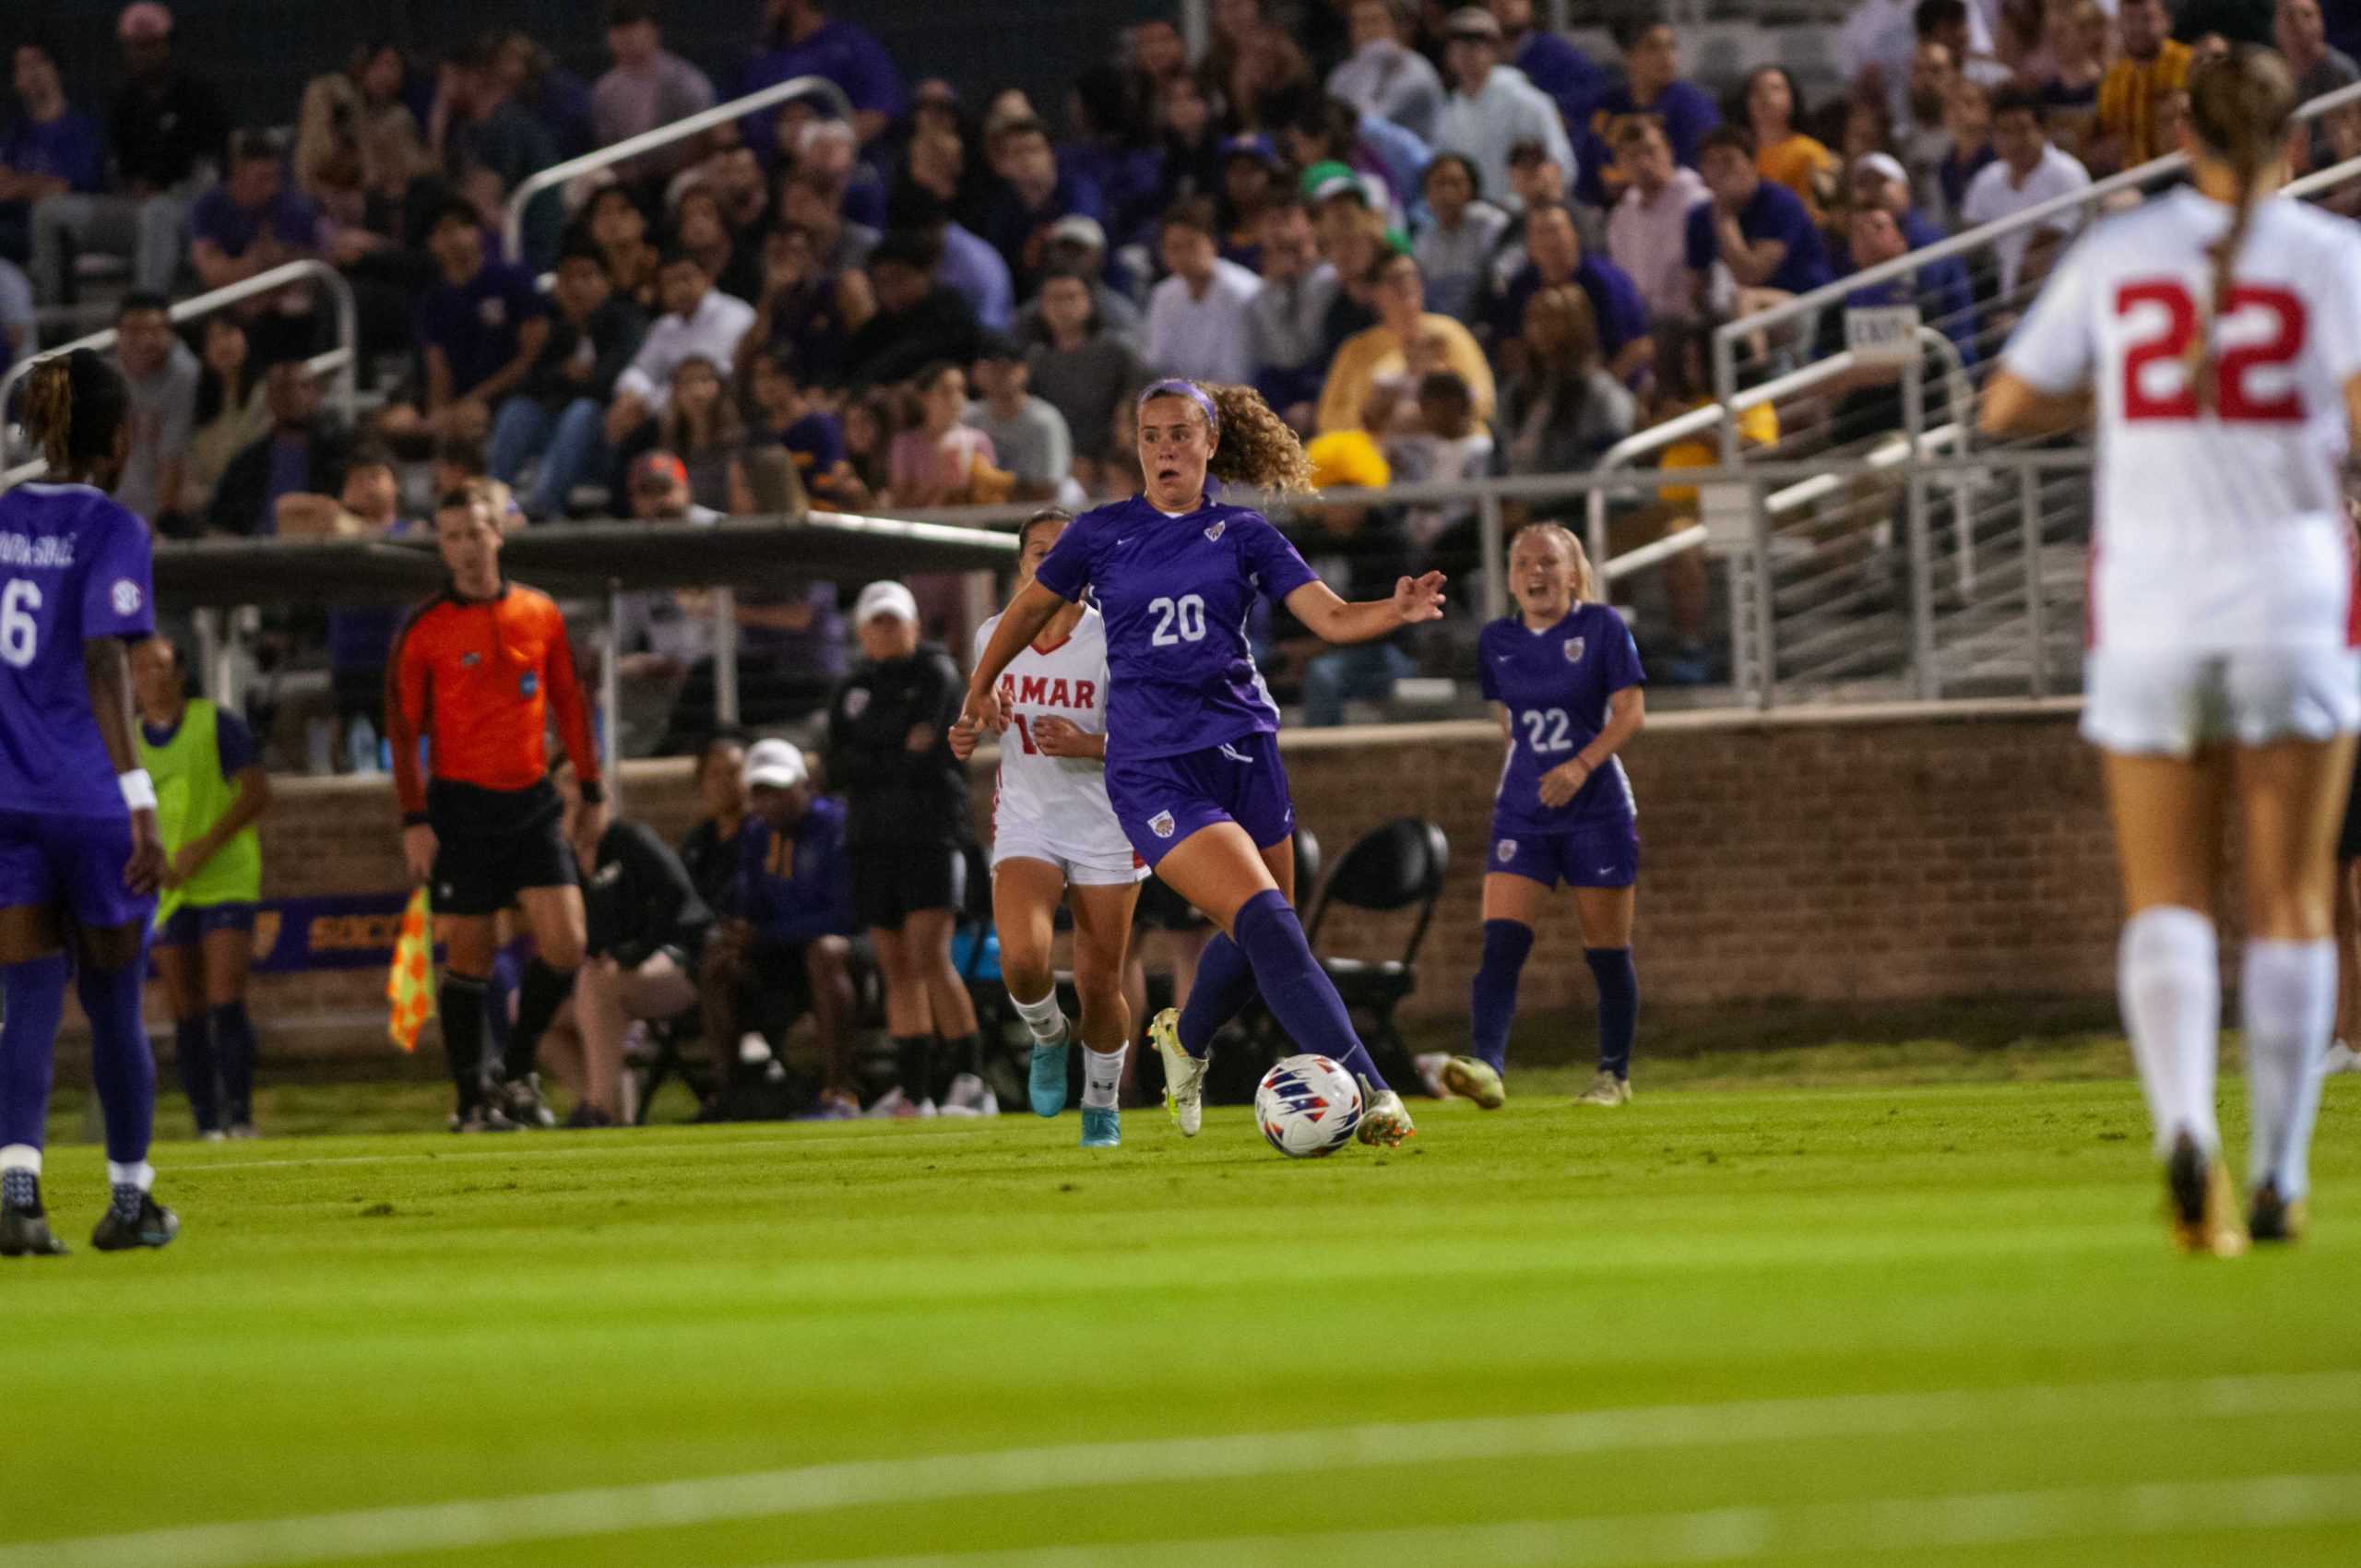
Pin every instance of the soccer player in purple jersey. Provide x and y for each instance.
(1565, 678)
(1193, 757)
(80, 853)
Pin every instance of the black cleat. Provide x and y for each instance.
(481, 1117)
(520, 1100)
(156, 1226)
(2274, 1218)
(24, 1233)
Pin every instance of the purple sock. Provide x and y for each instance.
(34, 994)
(122, 1067)
(1296, 988)
(1619, 1005)
(1493, 999)
(1223, 985)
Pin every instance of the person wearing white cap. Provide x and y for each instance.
(785, 935)
(906, 822)
(1055, 839)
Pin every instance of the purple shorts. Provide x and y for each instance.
(73, 862)
(1161, 800)
(1604, 855)
(188, 925)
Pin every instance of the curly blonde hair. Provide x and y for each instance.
(1254, 445)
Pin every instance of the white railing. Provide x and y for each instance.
(556, 174)
(341, 361)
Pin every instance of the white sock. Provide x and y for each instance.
(2169, 981)
(1102, 1075)
(2287, 1000)
(1048, 1025)
(142, 1175)
(21, 1157)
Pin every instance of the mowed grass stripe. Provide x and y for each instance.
(480, 1524)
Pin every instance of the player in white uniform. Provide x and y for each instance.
(1054, 836)
(2221, 327)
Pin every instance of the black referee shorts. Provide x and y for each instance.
(492, 845)
(894, 880)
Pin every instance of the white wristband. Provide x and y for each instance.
(138, 789)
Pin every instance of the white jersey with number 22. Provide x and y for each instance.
(2222, 527)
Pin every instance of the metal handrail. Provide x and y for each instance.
(513, 219)
(344, 359)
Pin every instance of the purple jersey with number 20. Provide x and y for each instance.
(73, 566)
(1176, 592)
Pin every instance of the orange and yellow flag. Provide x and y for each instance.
(409, 987)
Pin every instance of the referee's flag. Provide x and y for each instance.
(409, 987)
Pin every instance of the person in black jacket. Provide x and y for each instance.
(303, 455)
(647, 931)
(784, 949)
(559, 414)
(889, 751)
(711, 850)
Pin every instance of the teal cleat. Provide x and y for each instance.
(1101, 1128)
(1045, 1083)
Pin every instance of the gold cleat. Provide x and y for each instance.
(1385, 1120)
(1605, 1089)
(2202, 1203)
(2274, 1219)
(1184, 1076)
(1471, 1079)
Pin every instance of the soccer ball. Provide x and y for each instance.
(1307, 1106)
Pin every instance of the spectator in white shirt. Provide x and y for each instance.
(1197, 319)
(1874, 46)
(1647, 231)
(648, 87)
(1385, 76)
(1029, 436)
(1492, 107)
(2029, 171)
(699, 321)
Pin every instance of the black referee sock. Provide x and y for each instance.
(914, 1061)
(953, 1057)
(544, 991)
(461, 999)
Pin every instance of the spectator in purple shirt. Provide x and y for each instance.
(49, 150)
(1762, 231)
(1034, 194)
(1652, 85)
(804, 42)
(252, 222)
(166, 131)
(479, 330)
(1571, 77)
(1554, 257)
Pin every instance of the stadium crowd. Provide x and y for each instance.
(1447, 241)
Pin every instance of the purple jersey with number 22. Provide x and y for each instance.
(73, 566)
(1176, 592)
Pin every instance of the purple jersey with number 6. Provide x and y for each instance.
(1176, 592)
(1556, 684)
(74, 564)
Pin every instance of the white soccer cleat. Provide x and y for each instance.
(1385, 1120)
(1605, 1088)
(1431, 1065)
(970, 1096)
(1184, 1076)
(2340, 1058)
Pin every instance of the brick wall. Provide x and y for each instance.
(1861, 855)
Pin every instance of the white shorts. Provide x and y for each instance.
(1105, 867)
(2161, 702)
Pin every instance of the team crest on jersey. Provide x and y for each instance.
(1217, 529)
(469, 660)
(126, 597)
(1508, 849)
(526, 684)
(1161, 825)
(1575, 646)
(856, 702)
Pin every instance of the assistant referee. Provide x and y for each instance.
(478, 672)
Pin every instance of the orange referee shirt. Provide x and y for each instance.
(480, 679)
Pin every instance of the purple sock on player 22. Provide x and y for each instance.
(122, 1067)
(1295, 988)
(35, 997)
(1223, 985)
(1492, 998)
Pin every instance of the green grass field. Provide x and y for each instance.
(1820, 1314)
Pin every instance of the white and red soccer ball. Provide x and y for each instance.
(1307, 1106)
